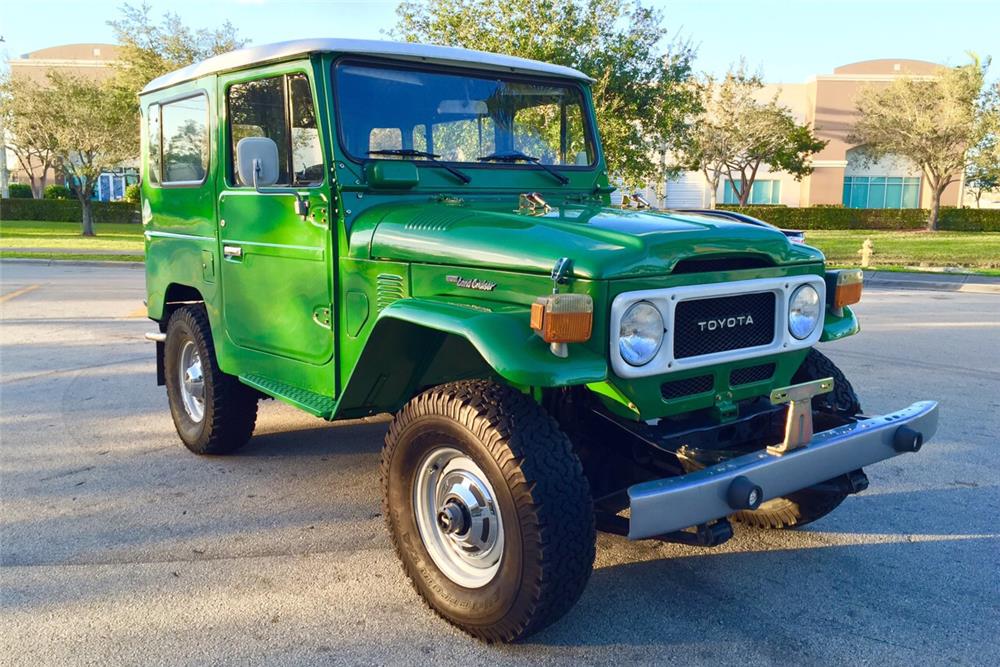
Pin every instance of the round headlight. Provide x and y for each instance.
(803, 311)
(640, 333)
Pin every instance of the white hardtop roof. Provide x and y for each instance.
(447, 55)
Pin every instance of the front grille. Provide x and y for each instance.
(719, 324)
(751, 374)
(686, 387)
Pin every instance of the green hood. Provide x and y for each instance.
(602, 242)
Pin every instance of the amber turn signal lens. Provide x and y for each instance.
(847, 287)
(563, 318)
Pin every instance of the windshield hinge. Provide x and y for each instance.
(532, 204)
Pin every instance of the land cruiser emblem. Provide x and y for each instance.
(472, 283)
(725, 323)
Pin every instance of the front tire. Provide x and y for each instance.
(214, 413)
(805, 506)
(488, 509)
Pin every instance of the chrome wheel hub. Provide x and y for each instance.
(458, 518)
(192, 382)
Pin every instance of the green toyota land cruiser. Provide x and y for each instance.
(357, 227)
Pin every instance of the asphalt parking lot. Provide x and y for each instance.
(118, 546)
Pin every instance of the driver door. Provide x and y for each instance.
(276, 265)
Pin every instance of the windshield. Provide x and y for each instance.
(459, 117)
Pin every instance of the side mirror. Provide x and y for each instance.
(257, 161)
(257, 165)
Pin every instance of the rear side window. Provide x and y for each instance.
(153, 142)
(279, 108)
(185, 140)
(178, 141)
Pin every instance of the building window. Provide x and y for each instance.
(184, 124)
(761, 192)
(881, 191)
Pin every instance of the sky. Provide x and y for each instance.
(788, 41)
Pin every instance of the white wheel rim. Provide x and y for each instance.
(192, 382)
(458, 517)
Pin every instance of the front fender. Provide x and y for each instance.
(418, 342)
(500, 333)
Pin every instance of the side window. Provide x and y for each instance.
(153, 142)
(185, 140)
(257, 109)
(279, 108)
(307, 152)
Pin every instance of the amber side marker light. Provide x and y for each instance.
(845, 286)
(563, 318)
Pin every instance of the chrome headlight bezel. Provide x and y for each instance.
(805, 311)
(654, 333)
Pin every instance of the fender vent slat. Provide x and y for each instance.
(388, 289)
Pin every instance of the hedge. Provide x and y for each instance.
(66, 210)
(970, 219)
(836, 217)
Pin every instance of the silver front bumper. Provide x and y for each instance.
(666, 505)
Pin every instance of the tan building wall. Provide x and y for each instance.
(87, 60)
(832, 113)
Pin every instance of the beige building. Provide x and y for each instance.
(88, 60)
(840, 176)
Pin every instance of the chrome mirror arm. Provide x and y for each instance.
(301, 201)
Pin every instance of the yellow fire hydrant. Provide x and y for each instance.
(866, 252)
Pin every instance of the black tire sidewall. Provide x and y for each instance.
(485, 606)
(179, 331)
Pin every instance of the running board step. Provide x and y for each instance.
(313, 403)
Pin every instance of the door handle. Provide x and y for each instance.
(232, 251)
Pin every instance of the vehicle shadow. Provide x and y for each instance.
(794, 590)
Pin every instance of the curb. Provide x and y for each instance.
(72, 262)
(931, 285)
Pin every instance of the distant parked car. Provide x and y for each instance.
(794, 235)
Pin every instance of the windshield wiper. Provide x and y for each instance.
(518, 156)
(429, 157)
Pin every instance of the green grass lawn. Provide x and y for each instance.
(24, 235)
(972, 251)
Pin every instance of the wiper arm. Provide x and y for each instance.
(517, 156)
(430, 157)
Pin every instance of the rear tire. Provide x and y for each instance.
(214, 413)
(502, 453)
(805, 506)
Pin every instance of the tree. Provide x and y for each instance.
(149, 49)
(736, 134)
(704, 147)
(86, 120)
(982, 173)
(931, 120)
(22, 103)
(642, 93)
(982, 169)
